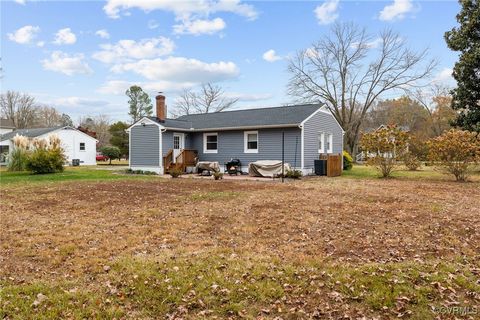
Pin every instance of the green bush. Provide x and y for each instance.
(347, 161)
(17, 160)
(293, 174)
(43, 161)
(111, 152)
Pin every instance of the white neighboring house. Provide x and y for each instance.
(77, 145)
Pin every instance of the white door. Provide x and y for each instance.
(178, 144)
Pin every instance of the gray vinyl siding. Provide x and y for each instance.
(231, 145)
(320, 122)
(145, 146)
(167, 140)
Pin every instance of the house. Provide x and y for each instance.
(248, 135)
(6, 126)
(77, 145)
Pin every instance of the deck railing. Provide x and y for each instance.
(186, 158)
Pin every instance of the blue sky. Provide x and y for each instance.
(81, 56)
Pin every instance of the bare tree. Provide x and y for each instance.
(100, 124)
(436, 100)
(19, 108)
(210, 98)
(349, 70)
(47, 117)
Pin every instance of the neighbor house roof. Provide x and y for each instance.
(6, 124)
(29, 133)
(275, 116)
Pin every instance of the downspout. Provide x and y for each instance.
(302, 146)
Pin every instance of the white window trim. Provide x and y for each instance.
(84, 147)
(245, 142)
(330, 143)
(205, 135)
(321, 136)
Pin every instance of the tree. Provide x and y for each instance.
(66, 120)
(436, 100)
(100, 124)
(340, 71)
(19, 108)
(466, 40)
(456, 151)
(119, 137)
(47, 117)
(140, 103)
(111, 152)
(384, 147)
(210, 98)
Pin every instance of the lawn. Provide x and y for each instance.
(99, 244)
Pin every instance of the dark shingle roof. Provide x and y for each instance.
(7, 124)
(287, 115)
(30, 133)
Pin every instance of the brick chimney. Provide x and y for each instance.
(161, 107)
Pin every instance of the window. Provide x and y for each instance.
(250, 141)
(82, 146)
(321, 139)
(210, 143)
(329, 143)
(176, 142)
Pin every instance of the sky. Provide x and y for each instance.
(81, 56)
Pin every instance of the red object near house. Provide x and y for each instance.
(101, 157)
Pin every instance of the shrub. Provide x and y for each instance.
(411, 161)
(111, 152)
(45, 160)
(347, 160)
(47, 156)
(383, 148)
(218, 175)
(17, 160)
(456, 152)
(293, 174)
(175, 172)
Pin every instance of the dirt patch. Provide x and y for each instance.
(73, 229)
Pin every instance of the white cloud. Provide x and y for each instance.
(40, 44)
(179, 69)
(22, 2)
(24, 35)
(118, 87)
(125, 50)
(326, 13)
(66, 64)
(444, 76)
(397, 10)
(65, 36)
(79, 101)
(197, 27)
(249, 96)
(271, 56)
(103, 34)
(181, 9)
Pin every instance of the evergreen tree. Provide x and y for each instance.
(466, 40)
(119, 137)
(140, 103)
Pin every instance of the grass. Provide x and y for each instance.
(70, 174)
(140, 247)
(424, 173)
(226, 284)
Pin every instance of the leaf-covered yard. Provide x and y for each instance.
(187, 248)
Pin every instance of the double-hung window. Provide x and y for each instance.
(210, 142)
(82, 146)
(329, 143)
(321, 142)
(250, 142)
